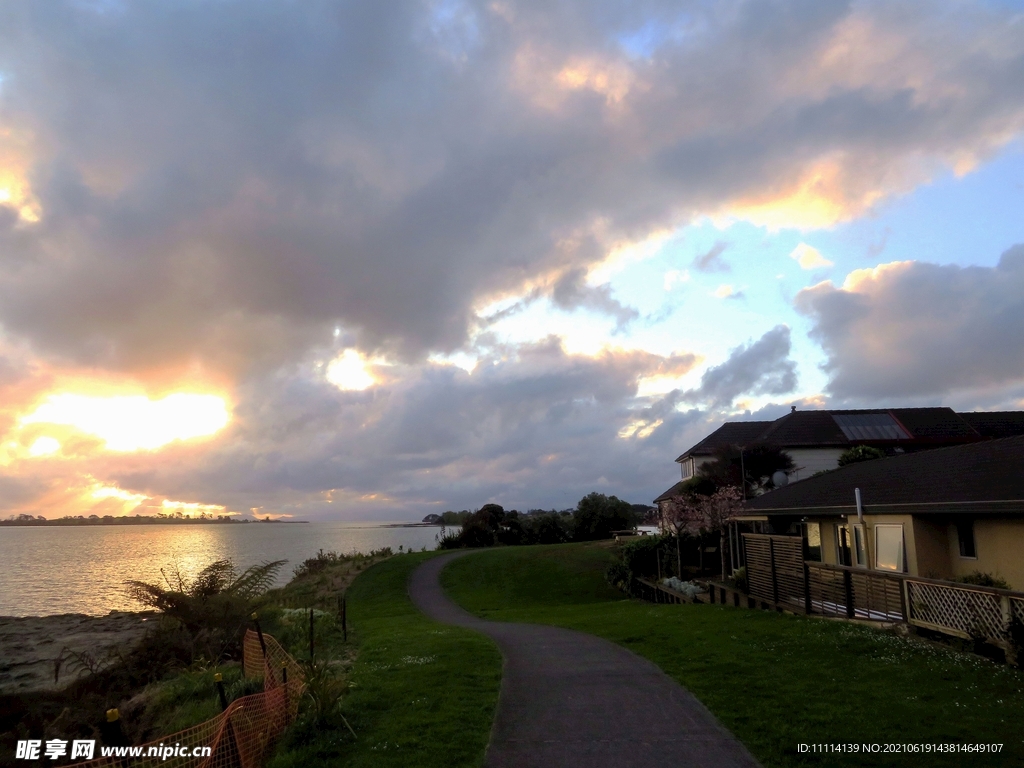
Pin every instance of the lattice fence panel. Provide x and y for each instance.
(973, 613)
(1017, 608)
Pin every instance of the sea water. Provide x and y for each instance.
(82, 569)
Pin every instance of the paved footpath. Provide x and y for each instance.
(572, 699)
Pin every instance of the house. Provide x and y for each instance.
(941, 513)
(816, 439)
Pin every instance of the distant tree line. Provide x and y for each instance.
(159, 519)
(596, 516)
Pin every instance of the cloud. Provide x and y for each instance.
(712, 261)
(203, 192)
(911, 330)
(762, 367)
(808, 257)
(726, 291)
(571, 291)
(674, 277)
(212, 190)
(530, 426)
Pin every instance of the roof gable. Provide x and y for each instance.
(730, 433)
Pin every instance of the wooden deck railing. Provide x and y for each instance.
(778, 574)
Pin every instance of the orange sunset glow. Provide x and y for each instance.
(129, 422)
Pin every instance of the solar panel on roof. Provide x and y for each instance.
(870, 426)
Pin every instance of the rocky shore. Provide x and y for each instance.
(45, 653)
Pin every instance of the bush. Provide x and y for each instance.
(860, 453)
(598, 515)
(979, 579)
(324, 560)
(547, 528)
(618, 575)
(213, 608)
(640, 556)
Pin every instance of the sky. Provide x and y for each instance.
(369, 261)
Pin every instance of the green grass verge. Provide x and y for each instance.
(774, 680)
(423, 694)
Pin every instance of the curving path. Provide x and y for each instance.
(572, 699)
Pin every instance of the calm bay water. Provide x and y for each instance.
(82, 569)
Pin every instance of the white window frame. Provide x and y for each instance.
(901, 557)
(860, 545)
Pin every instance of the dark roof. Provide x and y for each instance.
(675, 490)
(816, 428)
(995, 423)
(908, 428)
(934, 423)
(730, 433)
(985, 476)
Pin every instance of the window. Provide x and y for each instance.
(860, 552)
(870, 426)
(965, 533)
(687, 467)
(812, 542)
(889, 548)
(843, 544)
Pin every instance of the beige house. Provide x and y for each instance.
(941, 513)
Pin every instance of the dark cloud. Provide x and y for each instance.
(572, 292)
(761, 367)
(916, 330)
(712, 260)
(531, 426)
(224, 183)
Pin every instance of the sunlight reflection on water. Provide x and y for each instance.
(82, 569)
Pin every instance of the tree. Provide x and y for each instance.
(696, 514)
(715, 512)
(860, 453)
(755, 464)
(597, 515)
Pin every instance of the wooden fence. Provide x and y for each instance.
(778, 574)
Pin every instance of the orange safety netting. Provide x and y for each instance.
(239, 737)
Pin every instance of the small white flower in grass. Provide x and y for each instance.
(418, 660)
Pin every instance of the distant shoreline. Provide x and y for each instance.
(136, 520)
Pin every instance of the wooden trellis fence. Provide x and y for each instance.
(778, 574)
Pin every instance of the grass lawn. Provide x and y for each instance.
(423, 694)
(775, 680)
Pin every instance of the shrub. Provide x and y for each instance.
(860, 453)
(213, 608)
(618, 575)
(449, 540)
(598, 515)
(325, 685)
(547, 528)
(640, 556)
(324, 560)
(979, 579)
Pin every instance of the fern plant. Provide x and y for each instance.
(212, 607)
